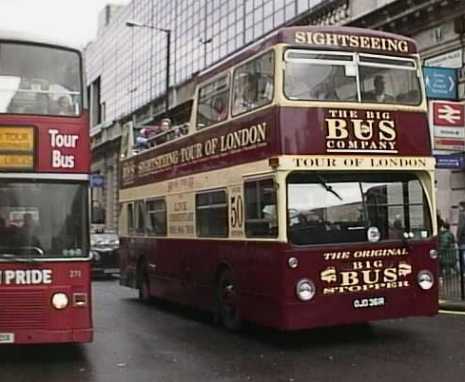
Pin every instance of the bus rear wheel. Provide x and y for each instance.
(228, 302)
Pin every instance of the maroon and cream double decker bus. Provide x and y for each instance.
(45, 292)
(302, 194)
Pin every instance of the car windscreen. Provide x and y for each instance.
(43, 219)
(341, 208)
(39, 80)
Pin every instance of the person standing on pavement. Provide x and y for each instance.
(461, 232)
(447, 250)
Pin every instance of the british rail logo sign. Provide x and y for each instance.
(448, 114)
(447, 121)
(360, 131)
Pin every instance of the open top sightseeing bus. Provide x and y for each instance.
(302, 194)
(45, 291)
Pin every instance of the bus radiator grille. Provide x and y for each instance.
(24, 309)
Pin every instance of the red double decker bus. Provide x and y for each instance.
(45, 290)
(302, 194)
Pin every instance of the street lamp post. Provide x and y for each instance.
(205, 42)
(135, 24)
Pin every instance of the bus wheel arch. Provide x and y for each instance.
(227, 299)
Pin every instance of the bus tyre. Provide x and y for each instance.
(144, 285)
(228, 304)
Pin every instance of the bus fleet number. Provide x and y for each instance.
(75, 274)
(237, 211)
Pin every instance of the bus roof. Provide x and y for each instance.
(323, 37)
(22, 36)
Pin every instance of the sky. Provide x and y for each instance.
(71, 21)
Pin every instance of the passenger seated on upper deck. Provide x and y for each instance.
(41, 105)
(220, 110)
(165, 127)
(325, 91)
(379, 93)
(63, 106)
(180, 130)
(142, 139)
(246, 98)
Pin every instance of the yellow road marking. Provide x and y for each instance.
(455, 312)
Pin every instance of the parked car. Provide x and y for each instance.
(104, 247)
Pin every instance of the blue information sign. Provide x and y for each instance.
(452, 161)
(96, 181)
(441, 83)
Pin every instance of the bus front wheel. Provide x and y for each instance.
(228, 302)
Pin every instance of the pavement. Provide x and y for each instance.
(452, 305)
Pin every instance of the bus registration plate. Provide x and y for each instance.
(368, 302)
(7, 338)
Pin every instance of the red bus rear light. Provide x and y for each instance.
(80, 299)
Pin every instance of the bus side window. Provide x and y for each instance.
(253, 84)
(212, 214)
(260, 209)
(156, 217)
(213, 102)
(140, 217)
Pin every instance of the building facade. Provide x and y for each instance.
(127, 66)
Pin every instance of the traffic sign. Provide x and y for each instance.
(449, 132)
(451, 59)
(451, 161)
(97, 181)
(446, 144)
(441, 83)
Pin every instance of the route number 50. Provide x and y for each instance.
(237, 211)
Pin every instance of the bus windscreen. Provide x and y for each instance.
(39, 80)
(43, 220)
(336, 208)
(344, 77)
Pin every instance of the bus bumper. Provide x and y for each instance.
(320, 313)
(46, 336)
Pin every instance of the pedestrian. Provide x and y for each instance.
(461, 233)
(447, 250)
(439, 220)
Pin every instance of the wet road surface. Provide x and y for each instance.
(161, 342)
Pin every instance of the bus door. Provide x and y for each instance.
(260, 228)
(212, 244)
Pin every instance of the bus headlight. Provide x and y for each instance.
(60, 301)
(425, 280)
(305, 290)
